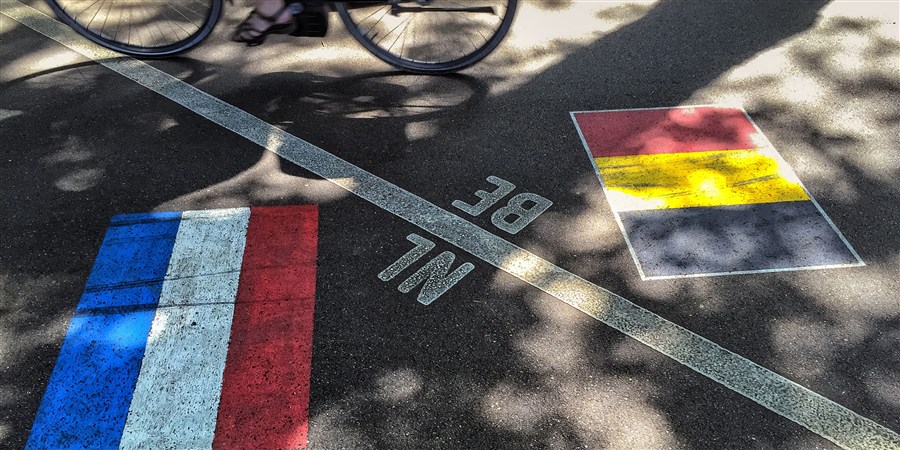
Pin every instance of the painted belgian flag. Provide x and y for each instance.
(701, 191)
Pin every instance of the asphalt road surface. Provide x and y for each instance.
(589, 323)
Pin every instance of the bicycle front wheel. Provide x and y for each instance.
(429, 36)
(147, 28)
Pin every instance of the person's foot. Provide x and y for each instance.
(254, 29)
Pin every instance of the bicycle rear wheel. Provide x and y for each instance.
(147, 28)
(433, 36)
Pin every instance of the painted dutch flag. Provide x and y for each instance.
(194, 331)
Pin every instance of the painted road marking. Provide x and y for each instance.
(265, 405)
(209, 372)
(649, 131)
(488, 199)
(436, 274)
(177, 393)
(738, 206)
(699, 179)
(514, 208)
(89, 391)
(780, 395)
(779, 236)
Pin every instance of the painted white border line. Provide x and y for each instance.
(782, 396)
(770, 151)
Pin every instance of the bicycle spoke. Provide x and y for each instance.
(401, 33)
(173, 24)
(94, 17)
(87, 8)
(370, 15)
(141, 26)
(129, 27)
(118, 26)
(392, 30)
(106, 17)
(386, 11)
(162, 34)
(405, 36)
(479, 31)
(198, 13)
(172, 6)
(437, 34)
(448, 55)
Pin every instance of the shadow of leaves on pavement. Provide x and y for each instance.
(493, 363)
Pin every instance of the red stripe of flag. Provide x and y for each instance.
(670, 130)
(265, 387)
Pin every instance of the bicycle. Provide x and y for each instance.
(421, 36)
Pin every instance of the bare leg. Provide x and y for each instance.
(265, 19)
(270, 7)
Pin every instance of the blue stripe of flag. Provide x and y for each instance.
(90, 389)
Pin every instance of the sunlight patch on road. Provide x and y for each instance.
(8, 113)
(541, 38)
(38, 61)
(574, 387)
(827, 80)
(262, 183)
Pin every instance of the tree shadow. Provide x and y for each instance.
(492, 364)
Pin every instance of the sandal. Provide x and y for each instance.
(248, 33)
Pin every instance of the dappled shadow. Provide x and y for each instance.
(492, 364)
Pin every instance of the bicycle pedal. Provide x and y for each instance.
(310, 23)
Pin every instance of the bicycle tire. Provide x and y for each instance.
(439, 60)
(159, 29)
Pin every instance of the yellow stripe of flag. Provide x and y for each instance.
(696, 179)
